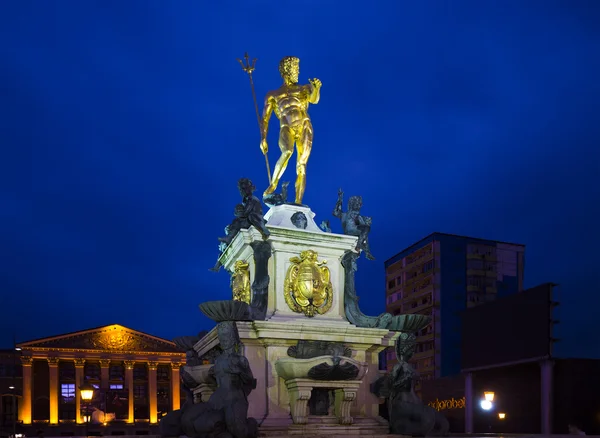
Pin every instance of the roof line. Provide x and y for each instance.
(83, 332)
(438, 233)
(506, 364)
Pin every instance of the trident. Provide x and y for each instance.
(249, 69)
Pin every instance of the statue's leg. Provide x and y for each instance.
(304, 146)
(286, 145)
(366, 246)
(236, 415)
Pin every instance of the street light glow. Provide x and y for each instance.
(486, 405)
(501, 415)
(11, 387)
(489, 395)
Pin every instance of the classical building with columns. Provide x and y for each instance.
(136, 377)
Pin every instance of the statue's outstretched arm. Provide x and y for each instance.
(315, 91)
(337, 211)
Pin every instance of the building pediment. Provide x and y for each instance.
(112, 338)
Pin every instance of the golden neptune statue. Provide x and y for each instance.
(290, 103)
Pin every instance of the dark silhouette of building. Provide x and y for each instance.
(508, 350)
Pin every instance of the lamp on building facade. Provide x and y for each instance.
(501, 415)
(87, 394)
(486, 403)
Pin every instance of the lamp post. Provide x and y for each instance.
(13, 387)
(14, 409)
(87, 393)
(487, 403)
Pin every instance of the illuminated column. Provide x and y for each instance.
(104, 367)
(546, 368)
(175, 395)
(152, 391)
(129, 383)
(25, 405)
(53, 366)
(79, 363)
(469, 403)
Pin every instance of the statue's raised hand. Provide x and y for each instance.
(315, 83)
(264, 147)
(340, 193)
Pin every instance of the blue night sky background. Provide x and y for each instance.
(125, 126)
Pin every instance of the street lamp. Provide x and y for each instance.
(501, 415)
(486, 403)
(489, 395)
(87, 393)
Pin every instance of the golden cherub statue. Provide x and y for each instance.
(290, 103)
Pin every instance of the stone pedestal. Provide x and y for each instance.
(275, 402)
(300, 390)
(267, 341)
(286, 242)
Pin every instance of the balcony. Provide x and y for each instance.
(406, 308)
(485, 256)
(476, 273)
(420, 277)
(423, 355)
(421, 255)
(425, 338)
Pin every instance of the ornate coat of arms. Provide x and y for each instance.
(240, 282)
(307, 288)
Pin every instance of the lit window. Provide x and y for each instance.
(67, 392)
(116, 386)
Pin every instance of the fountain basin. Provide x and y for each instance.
(321, 368)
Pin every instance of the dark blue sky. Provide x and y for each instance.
(125, 125)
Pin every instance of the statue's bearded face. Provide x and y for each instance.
(289, 67)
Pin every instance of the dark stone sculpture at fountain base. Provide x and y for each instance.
(225, 414)
(407, 414)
